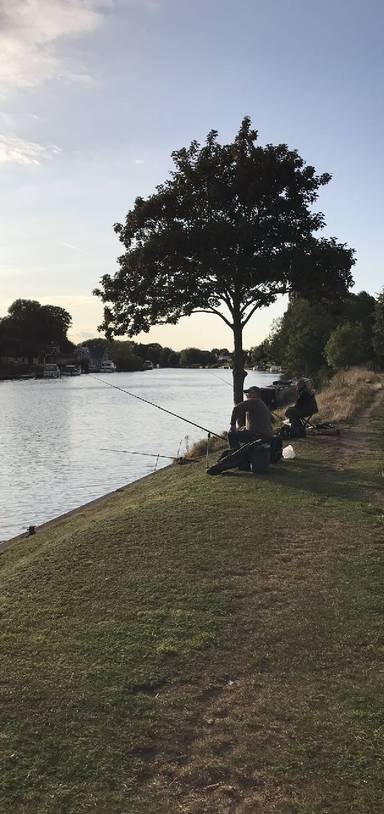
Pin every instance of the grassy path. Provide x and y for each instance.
(203, 645)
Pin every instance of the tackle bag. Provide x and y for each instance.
(276, 446)
(295, 429)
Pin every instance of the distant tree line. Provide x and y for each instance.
(313, 337)
(32, 333)
(129, 356)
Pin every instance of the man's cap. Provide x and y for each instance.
(252, 390)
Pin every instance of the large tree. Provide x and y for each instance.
(230, 230)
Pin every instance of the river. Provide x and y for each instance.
(61, 438)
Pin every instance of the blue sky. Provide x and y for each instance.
(95, 94)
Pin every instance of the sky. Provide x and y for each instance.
(95, 94)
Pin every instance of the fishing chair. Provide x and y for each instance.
(296, 427)
(305, 423)
(324, 428)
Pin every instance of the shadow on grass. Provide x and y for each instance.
(320, 481)
(325, 482)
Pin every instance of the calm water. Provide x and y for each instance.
(53, 434)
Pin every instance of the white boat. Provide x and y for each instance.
(51, 372)
(70, 370)
(108, 367)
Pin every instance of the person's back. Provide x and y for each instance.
(250, 420)
(254, 415)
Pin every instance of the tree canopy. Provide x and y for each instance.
(378, 328)
(190, 357)
(231, 229)
(297, 340)
(30, 329)
(346, 346)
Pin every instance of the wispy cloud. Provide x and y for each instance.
(77, 253)
(39, 43)
(34, 37)
(32, 33)
(26, 153)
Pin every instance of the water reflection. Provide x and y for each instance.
(53, 433)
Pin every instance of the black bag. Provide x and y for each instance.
(295, 429)
(276, 449)
(298, 428)
(259, 458)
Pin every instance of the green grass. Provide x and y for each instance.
(202, 645)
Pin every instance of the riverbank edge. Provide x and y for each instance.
(343, 401)
(84, 507)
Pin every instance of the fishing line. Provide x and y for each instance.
(140, 398)
(222, 380)
(130, 452)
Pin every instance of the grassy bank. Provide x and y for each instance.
(348, 393)
(203, 645)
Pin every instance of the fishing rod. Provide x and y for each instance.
(140, 398)
(130, 452)
(149, 454)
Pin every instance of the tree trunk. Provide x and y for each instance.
(238, 361)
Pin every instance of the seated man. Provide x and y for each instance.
(250, 420)
(305, 405)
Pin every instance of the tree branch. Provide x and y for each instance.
(212, 311)
(245, 306)
(248, 317)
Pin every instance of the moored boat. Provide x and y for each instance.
(70, 370)
(108, 367)
(51, 371)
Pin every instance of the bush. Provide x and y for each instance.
(378, 330)
(199, 448)
(346, 346)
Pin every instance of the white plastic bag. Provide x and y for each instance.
(289, 453)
